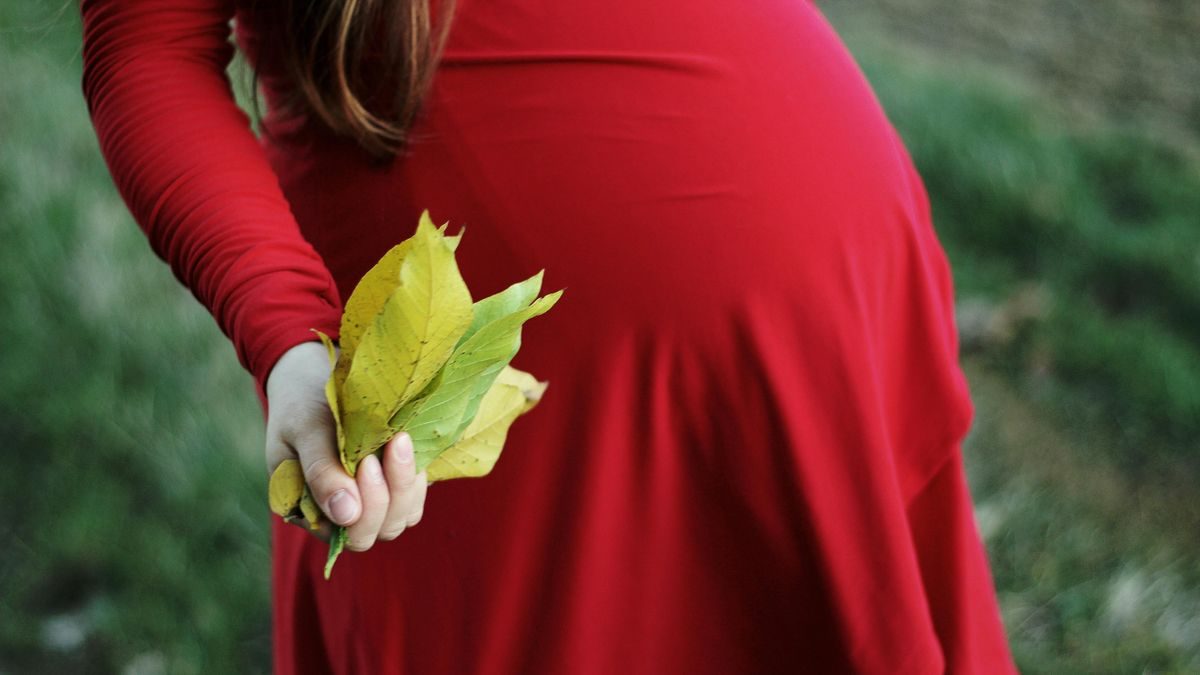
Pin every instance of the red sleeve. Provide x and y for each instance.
(187, 164)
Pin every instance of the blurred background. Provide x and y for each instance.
(1060, 143)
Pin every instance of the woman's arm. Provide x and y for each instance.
(188, 166)
(184, 159)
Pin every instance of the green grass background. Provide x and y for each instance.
(134, 530)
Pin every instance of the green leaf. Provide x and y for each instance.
(437, 419)
(503, 303)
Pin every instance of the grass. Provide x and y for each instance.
(1095, 567)
(1084, 455)
(1106, 223)
(136, 535)
(135, 532)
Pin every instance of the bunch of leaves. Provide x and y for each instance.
(417, 355)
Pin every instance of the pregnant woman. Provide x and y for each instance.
(748, 458)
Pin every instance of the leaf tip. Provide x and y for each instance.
(550, 299)
(535, 393)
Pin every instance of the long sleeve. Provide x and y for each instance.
(187, 164)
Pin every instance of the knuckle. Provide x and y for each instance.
(275, 452)
(392, 533)
(321, 475)
(377, 498)
(405, 480)
(312, 433)
(358, 546)
(360, 541)
(304, 419)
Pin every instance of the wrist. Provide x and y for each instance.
(301, 355)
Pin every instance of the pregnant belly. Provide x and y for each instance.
(718, 190)
(663, 161)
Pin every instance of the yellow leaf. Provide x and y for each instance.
(308, 508)
(331, 391)
(286, 487)
(477, 451)
(527, 383)
(513, 393)
(365, 302)
(373, 290)
(418, 356)
(452, 242)
(402, 350)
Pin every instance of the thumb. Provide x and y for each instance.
(334, 490)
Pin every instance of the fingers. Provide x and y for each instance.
(386, 497)
(374, 490)
(334, 490)
(407, 487)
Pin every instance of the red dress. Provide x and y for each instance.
(748, 457)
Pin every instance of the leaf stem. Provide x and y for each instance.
(336, 543)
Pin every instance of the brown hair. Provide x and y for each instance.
(325, 50)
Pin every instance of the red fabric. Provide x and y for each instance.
(748, 456)
(184, 159)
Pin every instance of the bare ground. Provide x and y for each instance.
(1135, 63)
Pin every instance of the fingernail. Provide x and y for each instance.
(342, 507)
(370, 465)
(404, 447)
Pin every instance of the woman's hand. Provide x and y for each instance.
(386, 497)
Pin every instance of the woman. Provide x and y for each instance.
(748, 458)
